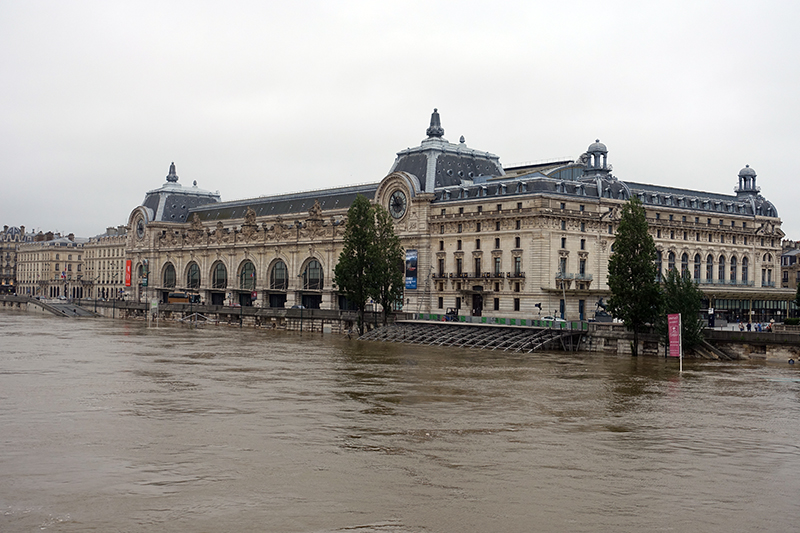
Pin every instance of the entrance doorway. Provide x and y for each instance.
(477, 302)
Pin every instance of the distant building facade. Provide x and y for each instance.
(490, 241)
(51, 267)
(790, 266)
(104, 265)
(10, 241)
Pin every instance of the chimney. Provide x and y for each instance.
(71, 237)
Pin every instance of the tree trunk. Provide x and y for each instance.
(635, 346)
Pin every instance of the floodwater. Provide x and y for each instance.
(112, 426)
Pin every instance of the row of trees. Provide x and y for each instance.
(371, 262)
(637, 298)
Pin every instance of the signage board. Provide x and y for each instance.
(411, 269)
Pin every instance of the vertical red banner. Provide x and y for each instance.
(127, 272)
(674, 327)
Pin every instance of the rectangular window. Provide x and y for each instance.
(444, 212)
(460, 210)
(744, 225)
(441, 266)
(563, 205)
(683, 219)
(709, 238)
(497, 226)
(441, 302)
(697, 236)
(517, 266)
(480, 209)
(563, 242)
(562, 265)
(441, 228)
(583, 244)
(499, 207)
(658, 216)
(497, 244)
(519, 205)
(477, 267)
(670, 218)
(685, 236)
(441, 245)
(519, 224)
(582, 267)
(458, 244)
(733, 223)
(658, 234)
(497, 266)
(478, 227)
(459, 266)
(516, 304)
(477, 244)
(583, 226)
(610, 229)
(497, 304)
(563, 224)
(516, 287)
(459, 228)
(516, 242)
(458, 302)
(581, 207)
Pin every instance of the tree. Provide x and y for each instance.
(635, 293)
(352, 273)
(681, 295)
(797, 297)
(387, 272)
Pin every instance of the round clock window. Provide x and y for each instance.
(140, 228)
(397, 204)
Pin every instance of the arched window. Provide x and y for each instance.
(670, 261)
(733, 269)
(279, 277)
(697, 263)
(658, 265)
(312, 276)
(193, 276)
(169, 275)
(219, 276)
(745, 263)
(722, 269)
(709, 268)
(247, 276)
(684, 265)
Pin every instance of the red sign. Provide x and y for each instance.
(128, 273)
(674, 330)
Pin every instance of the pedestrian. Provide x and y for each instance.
(749, 326)
(741, 326)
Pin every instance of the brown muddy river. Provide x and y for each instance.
(110, 426)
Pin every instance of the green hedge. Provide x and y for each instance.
(792, 321)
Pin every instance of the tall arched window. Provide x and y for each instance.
(247, 276)
(697, 264)
(745, 263)
(733, 269)
(169, 275)
(684, 265)
(658, 265)
(709, 268)
(312, 276)
(279, 277)
(219, 276)
(670, 261)
(193, 276)
(722, 269)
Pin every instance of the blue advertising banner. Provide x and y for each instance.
(411, 269)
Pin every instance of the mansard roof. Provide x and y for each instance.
(171, 202)
(285, 204)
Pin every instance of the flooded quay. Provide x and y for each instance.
(113, 426)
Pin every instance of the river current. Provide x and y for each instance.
(113, 426)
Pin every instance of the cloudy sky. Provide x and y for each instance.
(257, 98)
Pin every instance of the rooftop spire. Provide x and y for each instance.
(172, 177)
(435, 129)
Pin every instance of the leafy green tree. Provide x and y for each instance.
(352, 274)
(681, 295)
(635, 293)
(387, 272)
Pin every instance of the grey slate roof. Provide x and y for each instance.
(285, 204)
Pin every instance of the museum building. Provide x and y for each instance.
(522, 241)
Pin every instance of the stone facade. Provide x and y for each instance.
(527, 241)
(10, 241)
(51, 267)
(104, 265)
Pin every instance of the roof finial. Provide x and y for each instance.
(172, 177)
(435, 129)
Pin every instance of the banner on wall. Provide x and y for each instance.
(127, 272)
(411, 269)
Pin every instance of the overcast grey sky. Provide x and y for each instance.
(255, 98)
